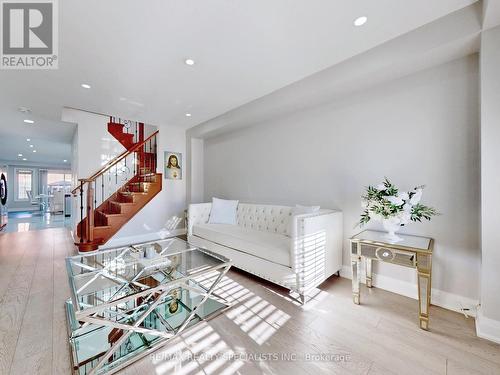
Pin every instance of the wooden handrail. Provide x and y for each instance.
(112, 163)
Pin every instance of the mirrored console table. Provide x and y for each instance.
(410, 251)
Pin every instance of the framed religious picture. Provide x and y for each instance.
(173, 165)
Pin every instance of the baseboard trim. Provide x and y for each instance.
(130, 240)
(487, 328)
(439, 298)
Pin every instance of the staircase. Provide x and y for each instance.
(118, 191)
(127, 134)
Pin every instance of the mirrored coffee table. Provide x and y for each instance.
(129, 301)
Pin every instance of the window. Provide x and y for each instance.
(58, 180)
(24, 184)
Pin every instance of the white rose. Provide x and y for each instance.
(397, 201)
(404, 196)
(416, 197)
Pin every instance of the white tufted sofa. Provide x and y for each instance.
(298, 252)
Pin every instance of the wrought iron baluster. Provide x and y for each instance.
(150, 161)
(136, 136)
(81, 212)
(156, 155)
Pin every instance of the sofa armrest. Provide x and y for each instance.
(198, 213)
(316, 247)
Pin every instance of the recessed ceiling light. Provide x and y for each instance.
(24, 110)
(20, 155)
(29, 121)
(360, 21)
(65, 161)
(85, 85)
(31, 146)
(189, 61)
(25, 159)
(34, 150)
(27, 139)
(188, 114)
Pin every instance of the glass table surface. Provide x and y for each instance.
(109, 275)
(128, 301)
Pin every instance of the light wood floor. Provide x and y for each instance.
(379, 337)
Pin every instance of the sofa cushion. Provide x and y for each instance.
(270, 246)
(223, 211)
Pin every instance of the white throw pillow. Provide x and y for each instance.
(300, 210)
(223, 211)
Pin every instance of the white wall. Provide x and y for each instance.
(420, 129)
(164, 215)
(95, 146)
(489, 319)
(195, 183)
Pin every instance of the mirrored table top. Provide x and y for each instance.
(407, 240)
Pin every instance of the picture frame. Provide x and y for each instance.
(173, 165)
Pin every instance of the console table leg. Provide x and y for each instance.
(355, 263)
(423, 300)
(424, 290)
(368, 264)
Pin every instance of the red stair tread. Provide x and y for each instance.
(107, 221)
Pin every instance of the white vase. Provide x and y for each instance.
(392, 226)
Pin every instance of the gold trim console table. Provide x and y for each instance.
(410, 251)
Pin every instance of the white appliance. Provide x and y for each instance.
(3, 196)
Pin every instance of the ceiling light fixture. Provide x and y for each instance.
(27, 139)
(34, 150)
(188, 114)
(189, 61)
(31, 146)
(20, 155)
(360, 21)
(29, 121)
(25, 159)
(65, 161)
(85, 85)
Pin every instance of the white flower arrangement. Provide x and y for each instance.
(385, 203)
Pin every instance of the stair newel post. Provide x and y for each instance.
(90, 212)
(81, 212)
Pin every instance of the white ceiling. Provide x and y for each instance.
(448, 38)
(50, 139)
(132, 53)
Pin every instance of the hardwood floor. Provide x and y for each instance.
(261, 334)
